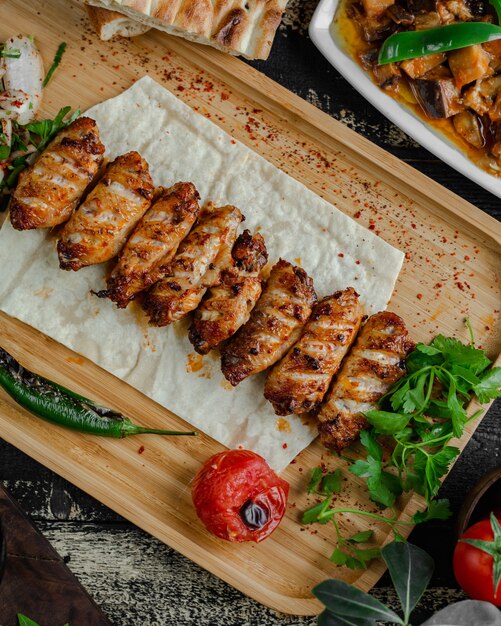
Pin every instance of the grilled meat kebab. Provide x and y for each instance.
(100, 226)
(298, 383)
(50, 188)
(195, 267)
(376, 361)
(227, 307)
(153, 243)
(274, 325)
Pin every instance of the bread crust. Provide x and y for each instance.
(241, 27)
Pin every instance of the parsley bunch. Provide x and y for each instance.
(418, 418)
(428, 410)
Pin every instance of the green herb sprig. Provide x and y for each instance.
(40, 133)
(57, 60)
(418, 418)
(348, 550)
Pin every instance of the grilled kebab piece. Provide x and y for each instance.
(376, 362)
(100, 226)
(298, 383)
(274, 325)
(153, 243)
(227, 307)
(196, 267)
(50, 188)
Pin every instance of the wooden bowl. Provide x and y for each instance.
(480, 501)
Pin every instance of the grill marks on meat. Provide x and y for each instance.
(274, 325)
(98, 230)
(153, 243)
(299, 382)
(376, 362)
(228, 306)
(196, 267)
(51, 187)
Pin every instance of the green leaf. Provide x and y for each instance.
(332, 483)
(328, 619)
(344, 600)
(410, 569)
(489, 387)
(467, 356)
(387, 423)
(316, 477)
(57, 59)
(361, 537)
(319, 513)
(369, 441)
(25, 621)
(437, 509)
(339, 557)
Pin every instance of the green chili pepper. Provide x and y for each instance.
(419, 43)
(64, 407)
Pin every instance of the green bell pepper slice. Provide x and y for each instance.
(419, 43)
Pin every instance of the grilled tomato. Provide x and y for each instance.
(238, 497)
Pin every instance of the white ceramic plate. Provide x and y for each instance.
(398, 113)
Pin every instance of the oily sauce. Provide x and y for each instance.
(345, 31)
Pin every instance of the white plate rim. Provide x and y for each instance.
(399, 114)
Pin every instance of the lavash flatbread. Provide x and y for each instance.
(180, 144)
(245, 27)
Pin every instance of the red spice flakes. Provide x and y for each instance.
(141, 450)
(180, 88)
(341, 255)
(413, 225)
(233, 142)
(225, 96)
(357, 214)
(284, 446)
(419, 296)
(357, 262)
(466, 258)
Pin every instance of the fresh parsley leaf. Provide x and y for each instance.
(489, 387)
(437, 509)
(319, 513)
(386, 423)
(332, 483)
(361, 537)
(316, 477)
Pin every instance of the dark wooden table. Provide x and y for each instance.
(140, 582)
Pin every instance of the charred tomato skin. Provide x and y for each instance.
(238, 497)
(473, 567)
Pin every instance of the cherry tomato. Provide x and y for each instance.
(238, 497)
(473, 566)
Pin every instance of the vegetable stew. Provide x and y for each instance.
(441, 57)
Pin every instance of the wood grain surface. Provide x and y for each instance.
(328, 159)
(36, 581)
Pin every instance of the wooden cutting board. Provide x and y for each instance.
(452, 270)
(36, 581)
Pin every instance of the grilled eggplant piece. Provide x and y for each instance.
(274, 325)
(438, 96)
(196, 267)
(99, 228)
(154, 242)
(228, 306)
(298, 383)
(376, 362)
(51, 187)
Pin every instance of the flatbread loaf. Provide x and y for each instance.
(109, 24)
(245, 27)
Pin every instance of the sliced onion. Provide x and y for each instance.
(24, 74)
